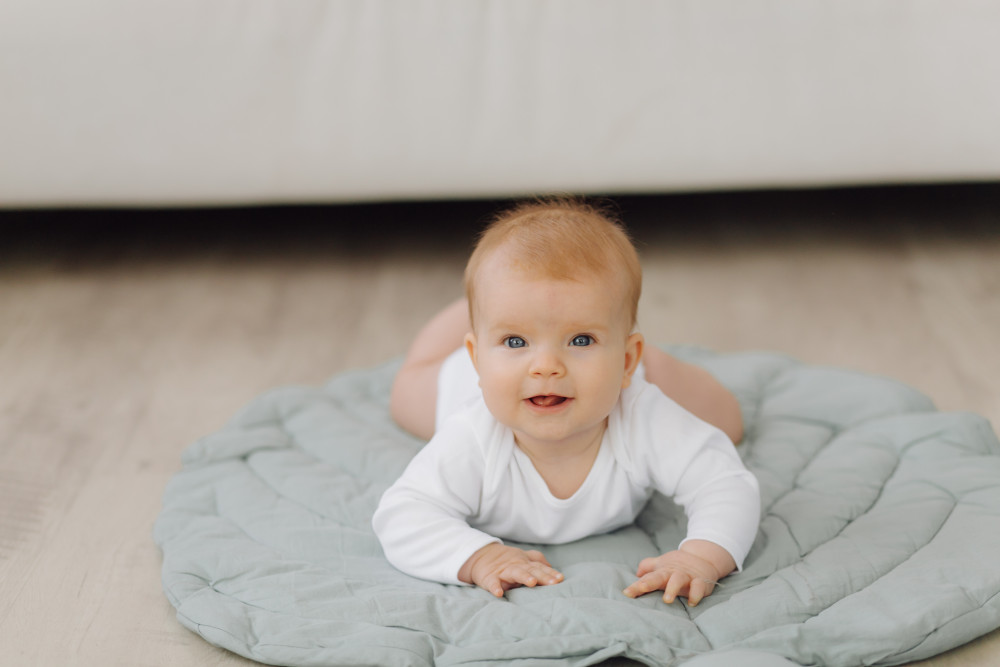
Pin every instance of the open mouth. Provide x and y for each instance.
(547, 401)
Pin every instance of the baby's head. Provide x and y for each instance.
(553, 288)
(561, 239)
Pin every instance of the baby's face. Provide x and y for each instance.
(552, 355)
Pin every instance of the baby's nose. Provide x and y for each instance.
(546, 363)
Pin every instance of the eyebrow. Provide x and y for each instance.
(576, 327)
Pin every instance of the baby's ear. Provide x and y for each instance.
(634, 346)
(470, 346)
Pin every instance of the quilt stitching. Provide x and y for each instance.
(631, 629)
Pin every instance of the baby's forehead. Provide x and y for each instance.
(500, 275)
(507, 261)
(516, 271)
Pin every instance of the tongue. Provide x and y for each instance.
(547, 401)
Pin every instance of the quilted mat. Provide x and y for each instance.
(879, 539)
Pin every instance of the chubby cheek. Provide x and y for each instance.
(605, 395)
(500, 388)
(608, 383)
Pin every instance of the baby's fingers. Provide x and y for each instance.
(534, 574)
(538, 557)
(652, 581)
(678, 582)
(492, 584)
(647, 565)
(513, 576)
(699, 590)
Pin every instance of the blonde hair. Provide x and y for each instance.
(561, 238)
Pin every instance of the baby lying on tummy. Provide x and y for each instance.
(564, 437)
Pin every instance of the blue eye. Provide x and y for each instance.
(514, 342)
(582, 340)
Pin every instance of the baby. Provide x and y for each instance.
(563, 437)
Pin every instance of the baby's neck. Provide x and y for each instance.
(564, 466)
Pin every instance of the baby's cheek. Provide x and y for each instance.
(499, 399)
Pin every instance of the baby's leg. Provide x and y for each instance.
(413, 401)
(696, 390)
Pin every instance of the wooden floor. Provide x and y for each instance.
(124, 336)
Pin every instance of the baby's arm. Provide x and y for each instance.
(698, 466)
(498, 568)
(727, 509)
(422, 521)
(692, 572)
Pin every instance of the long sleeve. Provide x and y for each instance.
(698, 466)
(722, 503)
(422, 519)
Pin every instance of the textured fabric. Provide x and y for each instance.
(880, 519)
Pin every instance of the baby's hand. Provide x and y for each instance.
(691, 572)
(498, 568)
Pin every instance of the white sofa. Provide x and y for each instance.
(218, 102)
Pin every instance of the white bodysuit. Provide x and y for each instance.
(471, 484)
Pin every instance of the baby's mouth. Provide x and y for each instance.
(547, 401)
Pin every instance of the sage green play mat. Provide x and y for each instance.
(879, 541)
